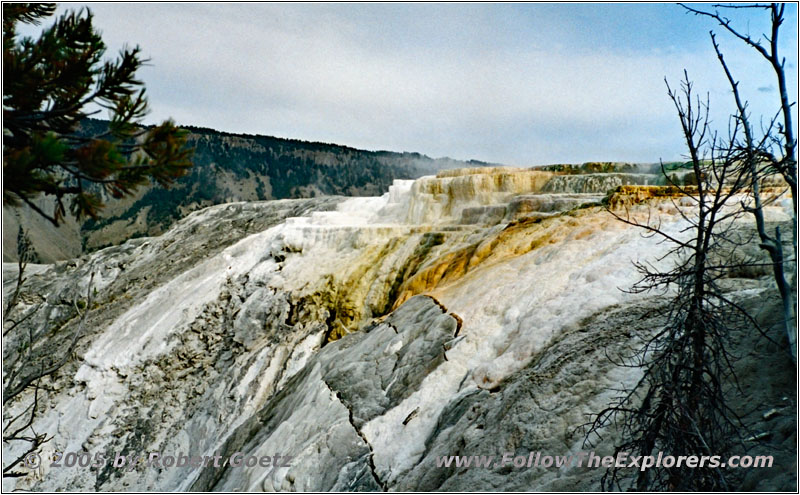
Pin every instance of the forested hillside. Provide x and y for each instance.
(227, 167)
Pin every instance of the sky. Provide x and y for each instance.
(517, 84)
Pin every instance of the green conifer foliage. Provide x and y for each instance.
(53, 82)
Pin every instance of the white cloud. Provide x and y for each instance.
(392, 77)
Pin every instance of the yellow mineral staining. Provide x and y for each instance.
(516, 239)
(330, 304)
(450, 266)
(352, 296)
(477, 185)
(624, 196)
(434, 199)
(460, 172)
(432, 250)
(364, 284)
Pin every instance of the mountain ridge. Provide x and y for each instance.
(229, 167)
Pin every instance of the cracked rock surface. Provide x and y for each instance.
(463, 314)
(319, 415)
